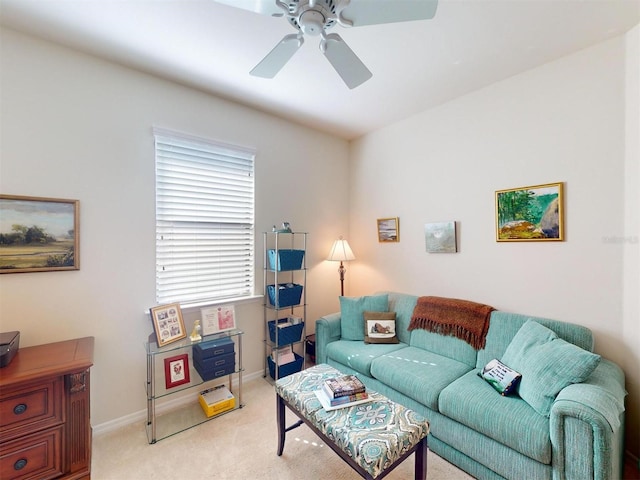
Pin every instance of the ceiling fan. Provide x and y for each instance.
(316, 17)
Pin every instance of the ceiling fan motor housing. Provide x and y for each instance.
(312, 20)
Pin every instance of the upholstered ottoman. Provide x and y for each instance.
(373, 437)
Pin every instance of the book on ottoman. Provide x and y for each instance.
(343, 386)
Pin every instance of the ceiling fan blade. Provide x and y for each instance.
(371, 12)
(278, 57)
(265, 7)
(346, 63)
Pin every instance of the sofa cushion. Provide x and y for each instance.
(417, 373)
(508, 420)
(358, 355)
(403, 305)
(352, 312)
(380, 327)
(547, 364)
(503, 326)
(444, 345)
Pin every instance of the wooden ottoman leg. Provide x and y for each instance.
(280, 416)
(421, 460)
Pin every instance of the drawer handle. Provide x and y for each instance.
(20, 408)
(20, 464)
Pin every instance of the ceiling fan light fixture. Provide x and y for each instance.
(312, 22)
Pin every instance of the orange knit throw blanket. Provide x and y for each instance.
(468, 321)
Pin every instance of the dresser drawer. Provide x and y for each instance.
(26, 408)
(35, 456)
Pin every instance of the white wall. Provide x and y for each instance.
(77, 127)
(561, 122)
(631, 239)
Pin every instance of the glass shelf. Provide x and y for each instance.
(187, 415)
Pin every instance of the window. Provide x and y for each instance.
(204, 220)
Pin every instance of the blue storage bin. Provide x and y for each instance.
(286, 369)
(285, 259)
(289, 294)
(286, 335)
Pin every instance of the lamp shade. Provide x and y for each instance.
(341, 251)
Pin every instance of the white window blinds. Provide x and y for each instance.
(204, 220)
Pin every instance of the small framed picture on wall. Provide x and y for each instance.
(388, 230)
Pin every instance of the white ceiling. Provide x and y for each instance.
(416, 65)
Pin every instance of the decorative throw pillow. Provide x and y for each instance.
(547, 364)
(500, 377)
(352, 314)
(380, 327)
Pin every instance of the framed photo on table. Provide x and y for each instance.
(218, 319)
(168, 323)
(176, 370)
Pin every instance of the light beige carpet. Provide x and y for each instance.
(236, 446)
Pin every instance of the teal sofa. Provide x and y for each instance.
(471, 425)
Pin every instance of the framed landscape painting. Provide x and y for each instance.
(38, 234)
(388, 230)
(527, 214)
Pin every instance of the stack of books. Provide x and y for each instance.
(341, 392)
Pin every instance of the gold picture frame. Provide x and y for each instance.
(388, 230)
(168, 324)
(39, 234)
(530, 214)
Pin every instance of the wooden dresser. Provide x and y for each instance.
(45, 429)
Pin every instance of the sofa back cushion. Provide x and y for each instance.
(403, 305)
(503, 326)
(450, 347)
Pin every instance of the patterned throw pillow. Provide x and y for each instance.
(500, 377)
(352, 314)
(380, 327)
(547, 364)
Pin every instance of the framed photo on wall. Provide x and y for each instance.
(39, 234)
(168, 323)
(388, 230)
(176, 370)
(530, 214)
(218, 319)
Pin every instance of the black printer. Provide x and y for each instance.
(9, 343)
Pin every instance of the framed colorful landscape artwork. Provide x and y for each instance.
(528, 214)
(38, 234)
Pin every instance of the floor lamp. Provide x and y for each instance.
(341, 252)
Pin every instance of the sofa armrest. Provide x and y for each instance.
(587, 426)
(327, 331)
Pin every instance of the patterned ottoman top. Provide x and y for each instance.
(374, 434)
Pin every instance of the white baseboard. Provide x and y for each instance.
(177, 401)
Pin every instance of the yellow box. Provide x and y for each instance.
(216, 400)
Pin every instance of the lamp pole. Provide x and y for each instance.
(341, 271)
